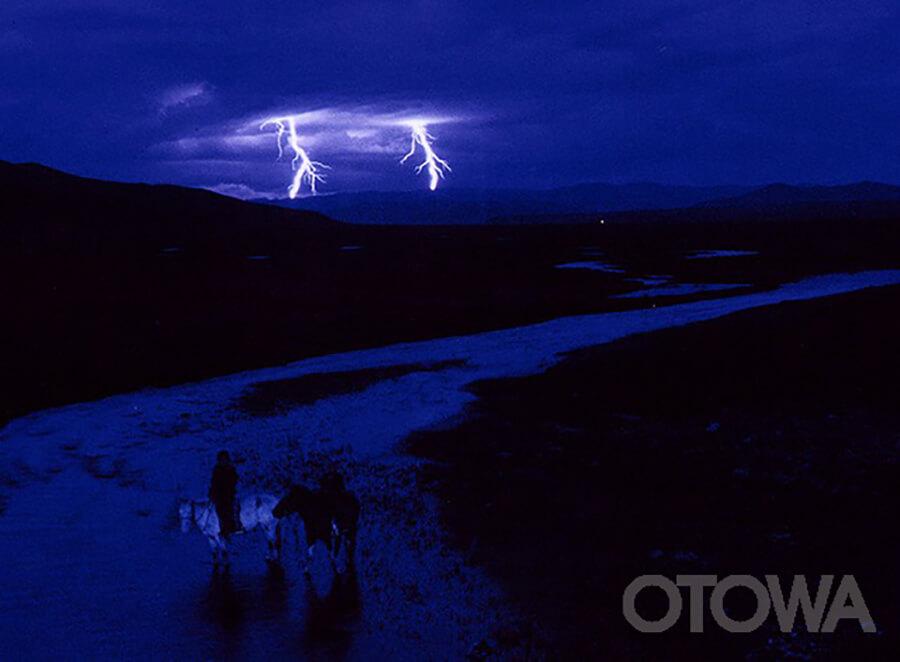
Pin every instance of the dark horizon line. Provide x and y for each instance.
(424, 192)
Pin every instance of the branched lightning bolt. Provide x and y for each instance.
(435, 164)
(305, 169)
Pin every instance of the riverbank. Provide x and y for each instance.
(762, 442)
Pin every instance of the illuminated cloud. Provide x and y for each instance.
(684, 91)
(183, 96)
(241, 191)
(361, 143)
(365, 129)
(206, 146)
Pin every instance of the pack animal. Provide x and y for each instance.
(255, 513)
(329, 515)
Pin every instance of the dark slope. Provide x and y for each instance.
(43, 208)
(107, 286)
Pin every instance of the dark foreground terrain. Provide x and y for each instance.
(107, 288)
(763, 442)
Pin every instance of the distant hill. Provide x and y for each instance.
(571, 204)
(470, 206)
(776, 195)
(45, 210)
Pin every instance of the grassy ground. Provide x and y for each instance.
(108, 311)
(764, 442)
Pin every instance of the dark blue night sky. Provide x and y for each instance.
(533, 94)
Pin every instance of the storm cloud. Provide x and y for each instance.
(546, 93)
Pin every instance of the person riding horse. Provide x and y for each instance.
(222, 488)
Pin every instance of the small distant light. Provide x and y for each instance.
(602, 221)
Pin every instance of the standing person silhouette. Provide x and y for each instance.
(222, 490)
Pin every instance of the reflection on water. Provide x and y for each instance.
(592, 265)
(225, 601)
(275, 595)
(287, 614)
(707, 254)
(330, 623)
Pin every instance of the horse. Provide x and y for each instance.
(255, 512)
(329, 515)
